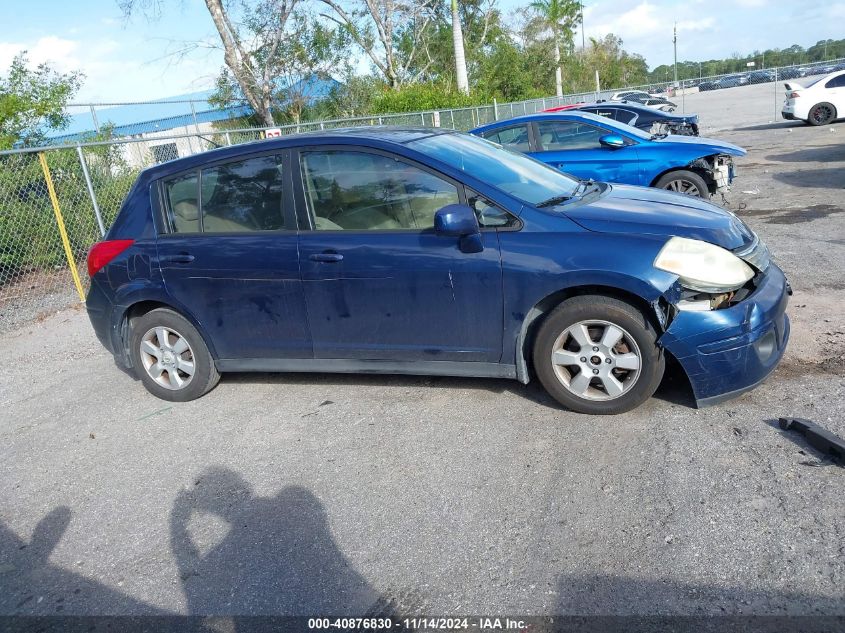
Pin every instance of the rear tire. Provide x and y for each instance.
(821, 114)
(598, 355)
(684, 181)
(170, 357)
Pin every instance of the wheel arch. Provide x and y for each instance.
(694, 167)
(137, 305)
(534, 317)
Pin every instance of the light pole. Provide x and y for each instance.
(675, 45)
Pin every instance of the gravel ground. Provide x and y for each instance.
(325, 494)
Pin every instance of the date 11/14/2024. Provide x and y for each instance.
(419, 624)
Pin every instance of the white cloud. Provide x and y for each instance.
(643, 19)
(55, 51)
(114, 71)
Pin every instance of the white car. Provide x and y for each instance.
(658, 102)
(819, 103)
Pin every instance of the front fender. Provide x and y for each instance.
(542, 269)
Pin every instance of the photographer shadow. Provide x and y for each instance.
(277, 558)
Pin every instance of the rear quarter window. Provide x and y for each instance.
(183, 200)
(836, 82)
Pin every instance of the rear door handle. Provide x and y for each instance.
(326, 257)
(181, 258)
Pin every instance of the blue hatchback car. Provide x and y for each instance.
(591, 146)
(425, 251)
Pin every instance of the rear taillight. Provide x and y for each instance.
(103, 252)
(794, 95)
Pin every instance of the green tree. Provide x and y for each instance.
(290, 62)
(381, 28)
(561, 16)
(32, 102)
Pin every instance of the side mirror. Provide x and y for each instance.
(612, 141)
(458, 220)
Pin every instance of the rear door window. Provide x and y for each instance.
(563, 135)
(624, 116)
(234, 197)
(243, 196)
(515, 138)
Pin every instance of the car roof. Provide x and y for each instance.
(546, 116)
(379, 134)
(632, 106)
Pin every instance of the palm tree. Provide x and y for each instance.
(561, 16)
(458, 42)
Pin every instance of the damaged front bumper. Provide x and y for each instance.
(730, 351)
(723, 172)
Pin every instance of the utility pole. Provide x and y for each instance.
(675, 45)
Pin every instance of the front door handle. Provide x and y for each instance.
(181, 258)
(326, 257)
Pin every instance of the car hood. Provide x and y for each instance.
(646, 211)
(707, 145)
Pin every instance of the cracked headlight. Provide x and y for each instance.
(703, 266)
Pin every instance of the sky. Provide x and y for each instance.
(129, 60)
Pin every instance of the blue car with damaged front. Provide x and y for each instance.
(420, 251)
(595, 147)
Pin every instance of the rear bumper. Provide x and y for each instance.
(728, 352)
(788, 116)
(99, 310)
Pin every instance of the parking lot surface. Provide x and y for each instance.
(317, 494)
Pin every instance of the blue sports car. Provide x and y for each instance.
(423, 251)
(594, 147)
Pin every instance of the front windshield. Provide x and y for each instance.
(525, 178)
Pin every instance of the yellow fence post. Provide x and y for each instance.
(61, 222)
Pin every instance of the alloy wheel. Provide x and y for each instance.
(596, 360)
(683, 186)
(822, 114)
(167, 358)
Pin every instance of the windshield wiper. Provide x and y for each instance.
(553, 201)
(656, 137)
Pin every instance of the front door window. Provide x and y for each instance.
(361, 191)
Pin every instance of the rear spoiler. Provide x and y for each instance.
(790, 86)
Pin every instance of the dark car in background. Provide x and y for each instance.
(425, 251)
(761, 76)
(732, 81)
(642, 117)
(791, 72)
(728, 81)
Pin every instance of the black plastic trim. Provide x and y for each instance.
(355, 366)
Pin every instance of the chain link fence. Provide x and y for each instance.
(55, 202)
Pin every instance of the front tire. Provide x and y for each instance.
(821, 114)
(684, 181)
(170, 357)
(598, 355)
